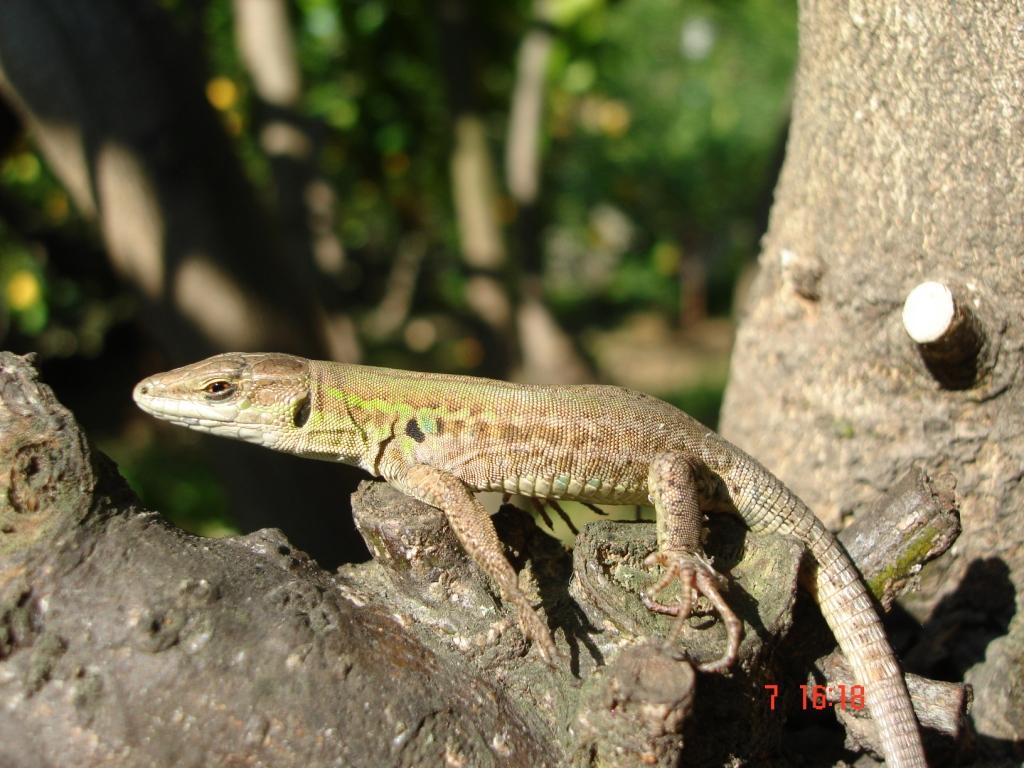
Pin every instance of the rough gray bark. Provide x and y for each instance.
(124, 641)
(904, 164)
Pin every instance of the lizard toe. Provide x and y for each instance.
(536, 631)
(696, 576)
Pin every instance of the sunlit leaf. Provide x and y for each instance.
(23, 290)
(222, 93)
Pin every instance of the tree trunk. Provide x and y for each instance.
(548, 354)
(904, 165)
(113, 97)
(114, 100)
(304, 201)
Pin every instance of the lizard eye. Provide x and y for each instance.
(219, 390)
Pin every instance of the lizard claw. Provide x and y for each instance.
(695, 575)
(536, 631)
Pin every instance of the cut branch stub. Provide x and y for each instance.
(914, 523)
(948, 334)
(633, 712)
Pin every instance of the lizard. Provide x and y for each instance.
(442, 438)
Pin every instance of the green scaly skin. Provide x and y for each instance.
(442, 438)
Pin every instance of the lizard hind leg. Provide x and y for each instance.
(673, 482)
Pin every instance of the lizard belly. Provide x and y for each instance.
(578, 483)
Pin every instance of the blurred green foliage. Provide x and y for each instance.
(663, 130)
(702, 401)
(670, 114)
(663, 122)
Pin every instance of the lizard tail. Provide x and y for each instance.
(766, 505)
(850, 613)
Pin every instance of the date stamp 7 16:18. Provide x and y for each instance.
(824, 696)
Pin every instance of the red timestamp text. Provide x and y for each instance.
(824, 696)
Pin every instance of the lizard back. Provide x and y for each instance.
(590, 442)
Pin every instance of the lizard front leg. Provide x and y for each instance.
(475, 531)
(672, 482)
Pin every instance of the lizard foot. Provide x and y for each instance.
(536, 631)
(695, 575)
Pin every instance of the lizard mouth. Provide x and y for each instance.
(301, 413)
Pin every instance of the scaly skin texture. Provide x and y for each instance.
(442, 438)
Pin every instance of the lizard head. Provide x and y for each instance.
(259, 398)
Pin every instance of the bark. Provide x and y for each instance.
(904, 165)
(113, 97)
(124, 641)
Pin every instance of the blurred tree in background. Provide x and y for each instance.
(551, 190)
